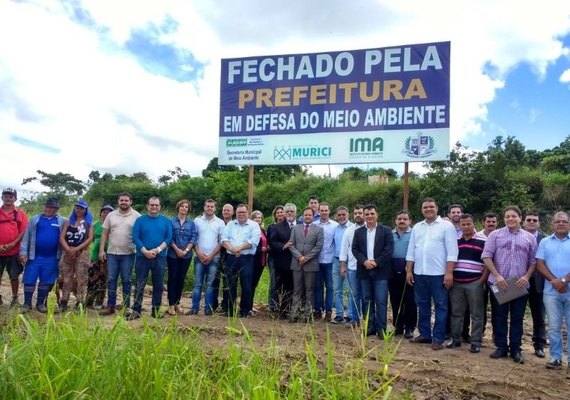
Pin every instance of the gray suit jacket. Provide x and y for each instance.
(309, 246)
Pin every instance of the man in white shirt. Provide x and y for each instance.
(430, 260)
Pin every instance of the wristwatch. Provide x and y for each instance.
(563, 280)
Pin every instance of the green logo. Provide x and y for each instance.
(236, 142)
(366, 145)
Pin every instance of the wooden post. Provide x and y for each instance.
(250, 190)
(406, 187)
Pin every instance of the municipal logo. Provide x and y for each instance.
(420, 146)
(301, 152)
(366, 147)
(236, 142)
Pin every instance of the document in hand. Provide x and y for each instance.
(512, 292)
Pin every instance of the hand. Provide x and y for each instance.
(410, 278)
(23, 260)
(150, 254)
(302, 260)
(522, 282)
(558, 285)
(102, 256)
(501, 282)
(448, 280)
(343, 271)
(370, 264)
(287, 245)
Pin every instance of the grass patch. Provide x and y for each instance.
(77, 357)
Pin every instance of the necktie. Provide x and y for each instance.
(306, 229)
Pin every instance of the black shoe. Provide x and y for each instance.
(317, 315)
(420, 339)
(337, 320)
(408, 334)
(371, 332)
(398, 332)
(436, 345)
(554, 364)
(539, 353)
(498, 354)
(453, 344)
(518, 358)
(133, 315)
(475, 349)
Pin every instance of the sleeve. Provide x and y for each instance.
(137, 234)
(316, 250)
(255, 235)
(385, 256)
(358, 254)
(343, 256)
(451, 243)
(226, 232)
(168, 236)
(490, 245)
(193, 233)
(410, 254)
(296, 253)
(540, 251)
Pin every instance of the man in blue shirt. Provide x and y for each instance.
(552, 262)
(338, 279)
(240, 238)
(152, 234)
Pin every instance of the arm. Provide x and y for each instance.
(62, 237)
(361, 258)
(102, 243)
(556, 283)
(316, 250)
(296, 253)
(386, 254)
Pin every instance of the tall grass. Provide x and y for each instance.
(76, 357)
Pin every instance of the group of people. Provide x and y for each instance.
(317, 264)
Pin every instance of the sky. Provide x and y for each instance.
(124, 86)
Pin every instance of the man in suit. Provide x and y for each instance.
(306, 244)
(280, 244)
(372, 247)
(531, 224)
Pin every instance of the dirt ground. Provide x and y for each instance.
(420, 372)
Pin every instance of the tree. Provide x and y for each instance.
(59, 184)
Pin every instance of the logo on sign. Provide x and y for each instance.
(236, 142)
(420, 146)
(366, 145)
(301, 152)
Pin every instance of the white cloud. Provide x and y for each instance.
(71, 85)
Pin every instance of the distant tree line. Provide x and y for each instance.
(482, 181)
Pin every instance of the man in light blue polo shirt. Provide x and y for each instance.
(338, 279)
(552, 261)
(240, 239)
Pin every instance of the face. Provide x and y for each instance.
(104, 214)
(228, 211)
(467, 226)
(308, 217)
(341, 216)
(455, 214)
(153, 207)
(79, 211)
(125, 202)
(184, 208)
(512, 220)
(290, 214)
(490, 224)
(561, 224)
(325, 213)
(429, 210)
(358, 216)
(8, 199)
(242, 215)
(531, 223)
(403, 221)
(50, 211)
(314, 204)
(258, 218)
(279, 215)
(209, 209)
(370, 216)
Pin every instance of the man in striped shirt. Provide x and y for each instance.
(469, 277)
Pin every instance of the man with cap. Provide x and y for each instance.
(40, 253)
(97, 273)
(13, 223)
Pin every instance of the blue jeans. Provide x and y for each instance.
(143, 266)
(324, 276)
(123, 265)
(207, 272)
(514, 329)
(240, 267)
(426, 289)
(375, 304)
(338, 285)
(557, 308)
(354, 296)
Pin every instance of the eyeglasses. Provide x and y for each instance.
(532, 220)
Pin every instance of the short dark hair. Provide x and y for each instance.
(490, 215)
(341, 208)
(313, 197)
(308, 208)
(125, 194)
(454, 206)
(277, 207)
(370, 207)
(357, 207)
(467, 216)
(209, 201)
(532, 213)
(429, 200)
(242, 205)
(179, 204)
(513, 208)
(403, 211)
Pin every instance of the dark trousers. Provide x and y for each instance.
(284, 291)
(538, 312)
(240, 267)
(404, 310)
(177, 270)
(508, 321)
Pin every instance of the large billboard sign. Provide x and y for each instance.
(348, 107)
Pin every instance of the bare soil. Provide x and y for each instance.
(419, 372)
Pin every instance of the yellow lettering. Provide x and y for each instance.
(416, 89)
(392, 88)
(245, 96)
